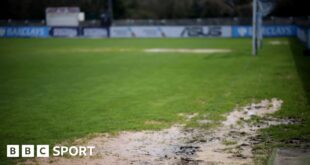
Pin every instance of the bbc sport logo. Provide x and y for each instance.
(43, 151)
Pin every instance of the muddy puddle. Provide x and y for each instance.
(231, 143)
(204, 51)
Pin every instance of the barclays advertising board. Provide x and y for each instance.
(24, 31)
(268, 31)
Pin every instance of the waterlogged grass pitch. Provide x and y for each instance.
(52, 90)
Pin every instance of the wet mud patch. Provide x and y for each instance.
(278, 42)
(291, 156)
(188, 116)
(230, 143)
(198, 51)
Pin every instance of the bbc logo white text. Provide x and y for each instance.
(43, 151)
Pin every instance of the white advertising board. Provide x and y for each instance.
(170, 31)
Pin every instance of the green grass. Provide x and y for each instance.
(51, 91)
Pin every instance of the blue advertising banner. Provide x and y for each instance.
(64, 31)
(95, 32)
(302, 34)
(308, 39)
(268, 31)
(24, 31)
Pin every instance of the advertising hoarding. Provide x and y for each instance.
(268, 31)
(24, 31)
(170, 31)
